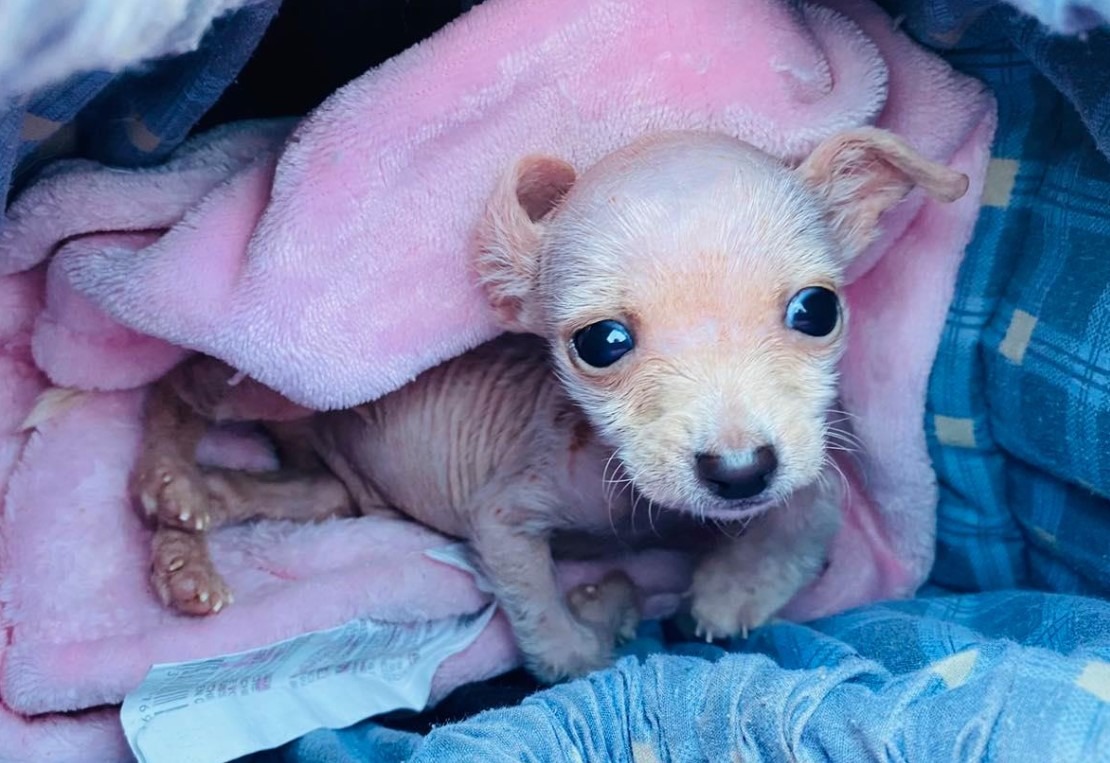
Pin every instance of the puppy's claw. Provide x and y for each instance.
(744, 632)
(150, 503)
(703, 631)
(217, 606)
(203, 597)
(175, 565)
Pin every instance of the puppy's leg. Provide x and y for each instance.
(182, 570)
(746, 581)
(295, 442)
(165, 480)
(555, 644)
(237, 496)
(219, 393)
(183, 575)
(516, 557)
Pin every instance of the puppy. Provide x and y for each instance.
(676, 322)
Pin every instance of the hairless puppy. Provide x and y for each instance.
(675, 326)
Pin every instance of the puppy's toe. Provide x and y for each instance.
(718, 607)
(173, 493)
(184, 504)
(726, 605)
(718, 618)
(186, 580)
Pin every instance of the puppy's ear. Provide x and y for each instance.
(862, 173)
(511, 235)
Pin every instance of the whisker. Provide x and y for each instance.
(842, 412)
(651, 519)
(842, 435)
(636, 502)
(854, 442)
(728, 530)
(606, 480)
(840, 472)
(607, 490)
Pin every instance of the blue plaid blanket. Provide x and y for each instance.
(1019, 409)
(1018, 419)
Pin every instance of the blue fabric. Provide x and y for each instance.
(945, 21)
(1006, 676)
(1018, 411)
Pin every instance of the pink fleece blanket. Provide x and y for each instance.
(331, 264)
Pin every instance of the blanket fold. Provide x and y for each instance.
(330, 262)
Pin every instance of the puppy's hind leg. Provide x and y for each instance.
(182, 570)
(183, 574)
(165, 481)
(180, 407)
(238, 496)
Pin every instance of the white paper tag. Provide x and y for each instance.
(457, 555)
(215, 710)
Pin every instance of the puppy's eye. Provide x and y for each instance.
(814, 311)
(603, 343)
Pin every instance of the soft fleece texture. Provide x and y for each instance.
(82, 632)
(333, 266)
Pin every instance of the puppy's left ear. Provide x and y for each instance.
(860, 174)
(510, 239)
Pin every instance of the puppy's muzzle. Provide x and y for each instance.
(738, 475)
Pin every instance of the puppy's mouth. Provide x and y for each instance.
(738, 510)
(706, 506)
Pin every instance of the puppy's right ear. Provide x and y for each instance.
(511, 236)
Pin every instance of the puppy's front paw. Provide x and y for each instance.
(172, 492)
(732, 599)
(183, 574)
(572, 652)
(610, 607)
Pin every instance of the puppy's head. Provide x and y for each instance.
(690, 285)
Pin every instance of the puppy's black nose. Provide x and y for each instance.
(739, 475)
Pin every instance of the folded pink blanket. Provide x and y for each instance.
(331, 264)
